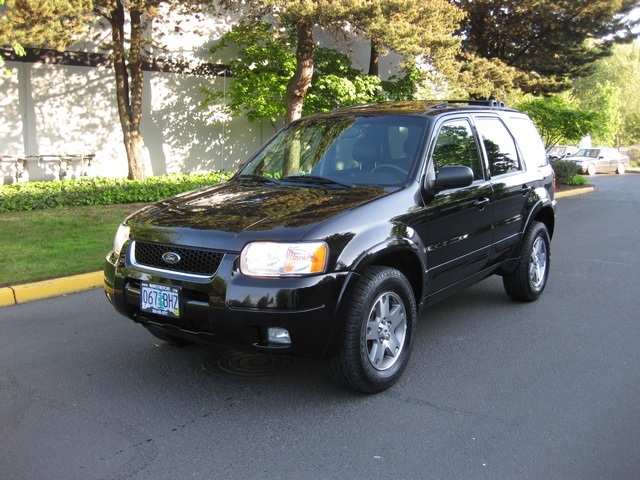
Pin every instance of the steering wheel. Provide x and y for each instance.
(392, 168)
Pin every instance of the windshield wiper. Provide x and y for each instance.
(315, 179)
(257, 178)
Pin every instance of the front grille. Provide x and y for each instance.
(192, 260)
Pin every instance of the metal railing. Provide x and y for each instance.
(20, 169)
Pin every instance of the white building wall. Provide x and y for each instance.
(58, 110)
(52, 110)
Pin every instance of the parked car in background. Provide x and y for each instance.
(558, 152)
(599, 160)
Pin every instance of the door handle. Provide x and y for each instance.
(481, 203)
(526, 189)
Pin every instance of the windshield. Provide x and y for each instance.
(349, 150)
(587, 152)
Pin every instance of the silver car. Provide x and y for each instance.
(558, 152)
(599, 160)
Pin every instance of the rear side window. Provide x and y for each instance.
(499, 146)
(529, 141)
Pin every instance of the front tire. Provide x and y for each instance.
(526, 283)
(378, 333)
(621, 169)
(591, 169)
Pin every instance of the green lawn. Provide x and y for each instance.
(43, 244)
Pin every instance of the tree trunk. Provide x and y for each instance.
(301, 80)
(129, 89)
(374, 59)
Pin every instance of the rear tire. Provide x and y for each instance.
(378, 332)
(526, 283)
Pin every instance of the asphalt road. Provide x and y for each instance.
(495, 389)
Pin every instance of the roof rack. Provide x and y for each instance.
(480, 103)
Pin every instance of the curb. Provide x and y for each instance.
(575, 192)
(49, 288)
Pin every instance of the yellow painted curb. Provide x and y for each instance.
(574, 192)
(6, 297)
(56, 287)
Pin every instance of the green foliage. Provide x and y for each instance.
(566, 172)
(403, 88)
(548, 42)
(336, 83)
(51, 24)
(265, 62)
(614, 90)
(261, 70)
(557, 121)
(100, 191)
(577, 180)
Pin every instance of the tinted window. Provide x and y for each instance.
(378, 150)
(456, 145)
(499, 145)
(530, 144)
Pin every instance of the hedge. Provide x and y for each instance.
(100, 191)
(567, 173)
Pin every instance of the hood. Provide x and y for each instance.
(237, 207)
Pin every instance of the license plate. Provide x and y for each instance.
(160, 299)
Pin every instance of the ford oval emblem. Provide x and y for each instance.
(171, 257)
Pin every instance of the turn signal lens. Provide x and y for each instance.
(269, 259)
(122, 235)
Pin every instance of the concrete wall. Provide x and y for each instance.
(54, 117)
(52, 111)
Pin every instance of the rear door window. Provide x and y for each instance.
(499, 146)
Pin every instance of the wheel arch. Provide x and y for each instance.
(542, 212)
(546, 215)
(408, 263)
(399, 254)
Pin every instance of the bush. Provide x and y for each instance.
(100, 191)
(566, 172)
(577, 180)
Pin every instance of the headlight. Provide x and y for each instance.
(269, 259)
(122, 235)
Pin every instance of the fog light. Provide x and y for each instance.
(278, 336)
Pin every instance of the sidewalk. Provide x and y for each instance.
(86, 281)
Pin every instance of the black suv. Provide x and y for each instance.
(331, 240)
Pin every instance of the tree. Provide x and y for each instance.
(558, 121)
(411, 28)
(43, 23)
(613, 89)
(337, 15)
(547, 42)
(8, 37)
(264, 64)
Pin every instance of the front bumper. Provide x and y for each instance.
(231, 308)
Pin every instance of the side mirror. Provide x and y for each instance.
(453, 176)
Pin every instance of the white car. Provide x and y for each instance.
(599, 160)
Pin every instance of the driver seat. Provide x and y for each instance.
(368, 153)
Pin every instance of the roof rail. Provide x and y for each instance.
(480, 103)
(487, 103)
